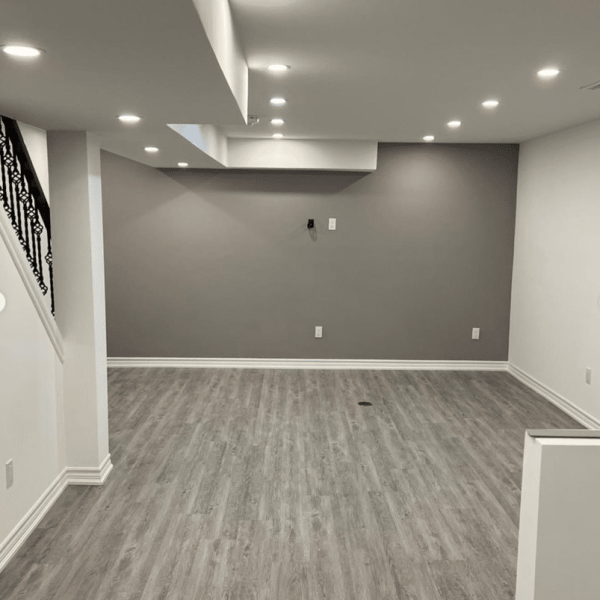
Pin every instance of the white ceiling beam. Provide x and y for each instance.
(325, 155)
(207, 138)
(219, 27)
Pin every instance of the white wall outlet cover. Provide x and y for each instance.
(2, 302)
(318, 331)
(332, 224)
(475, 333)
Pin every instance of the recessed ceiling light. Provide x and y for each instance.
(277, 101)
(278, 136)
(277, 121)
(182, 165)
(548, 73)
(151, 149)
(429, 138)
(490, 104)
(278, 68)
(22, 51)
(454, 124)
(129, 119)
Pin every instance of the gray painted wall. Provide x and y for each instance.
(221, 264)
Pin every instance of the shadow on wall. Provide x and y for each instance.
(284, 182)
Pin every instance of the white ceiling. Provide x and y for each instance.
(109, 57)
(396, 70)
(385, 70)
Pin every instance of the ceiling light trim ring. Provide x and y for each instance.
(129, 118)
(22, 51)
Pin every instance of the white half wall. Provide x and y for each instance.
(559, 530)
(555, 310)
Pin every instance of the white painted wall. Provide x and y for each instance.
(555, 311)
(31, 414)
(37, 145)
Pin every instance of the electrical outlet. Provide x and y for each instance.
(9, 474)
(588, 376)
(475, 333)
(318, 331)
(332, 224)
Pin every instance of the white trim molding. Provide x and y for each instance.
(69, 476)
(90, 475)
(31, 285)
(568, 407)
(310, 363)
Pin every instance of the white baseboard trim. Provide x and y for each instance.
(309, 363)
(30, 521)
(580, 415)
(90, 475)
(69, 476)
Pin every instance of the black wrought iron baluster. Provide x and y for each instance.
(6, 203)
(48, 259)
(38, 249)
(25, 202)
(4, 193)
(14, 193)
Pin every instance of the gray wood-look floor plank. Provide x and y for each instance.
(275, 484)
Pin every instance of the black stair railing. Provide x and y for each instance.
(25, 204)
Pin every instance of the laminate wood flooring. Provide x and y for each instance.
(277, 485)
